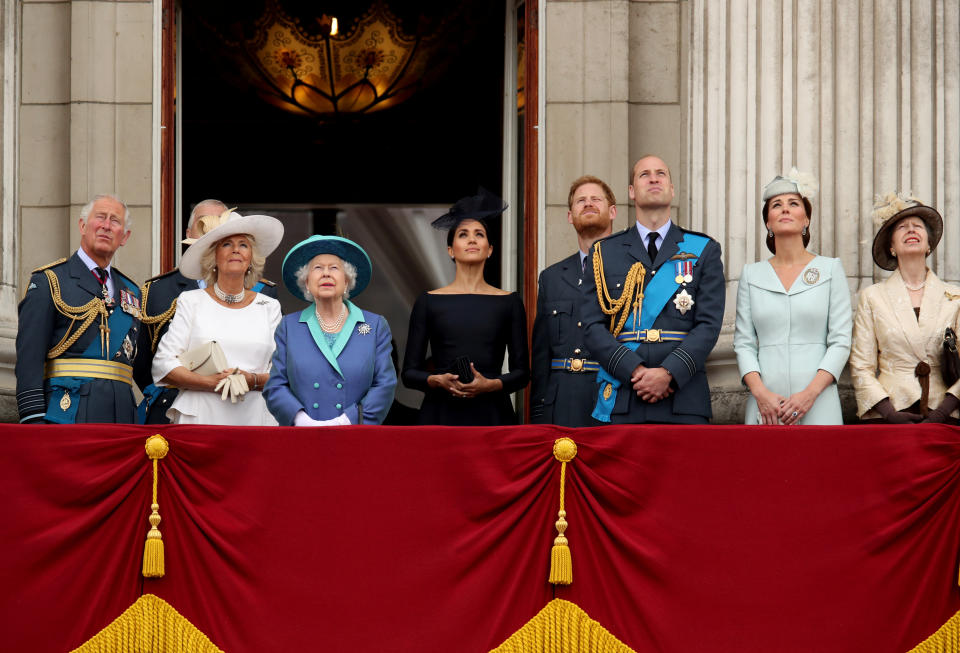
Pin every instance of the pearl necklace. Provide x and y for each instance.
(336, 326)
(914, 288)
(227, 297)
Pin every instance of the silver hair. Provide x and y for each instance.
(194, 214)
(208, 263)
(349, 271)
(127, 220)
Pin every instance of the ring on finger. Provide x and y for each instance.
(794, 413)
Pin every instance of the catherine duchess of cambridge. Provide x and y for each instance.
(793, 327)
(899, 329)
(332, 362)
(230, 256)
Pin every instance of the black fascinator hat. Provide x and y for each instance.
(481, 206)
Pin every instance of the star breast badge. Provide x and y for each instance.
(363, 328)
(683, 301)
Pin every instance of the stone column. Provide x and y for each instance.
(8, 222)
(111, 96)
(585, 45)
(862, 95)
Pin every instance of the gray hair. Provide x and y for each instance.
(195, 213)
(349, 271)
(208, 263)
(127, 220)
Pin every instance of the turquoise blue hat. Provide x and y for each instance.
(304, 251)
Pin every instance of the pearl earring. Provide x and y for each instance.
(803, 232)
(769, 233)
(893, 253)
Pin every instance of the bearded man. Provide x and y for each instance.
(563, 389)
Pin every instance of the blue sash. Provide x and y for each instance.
(656, 295)
(150, 395)
(258, 286)
(120, 322)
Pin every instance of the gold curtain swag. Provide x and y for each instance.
(945, 640)
(150, 625)
(562, 627)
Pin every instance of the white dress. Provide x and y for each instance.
(246, 336)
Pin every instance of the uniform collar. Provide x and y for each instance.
(91, 264)
(645, 233)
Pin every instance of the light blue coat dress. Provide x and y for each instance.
(787, 335)
(324, 381)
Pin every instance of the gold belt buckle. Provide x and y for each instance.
(576, 364)
(653, 335)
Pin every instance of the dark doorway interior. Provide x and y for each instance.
(433, 148)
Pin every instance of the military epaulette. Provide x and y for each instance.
(126, 277)
(160, 276)
(49, 265)
(267, 282)
(696, 233)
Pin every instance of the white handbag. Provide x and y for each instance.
(206, 359)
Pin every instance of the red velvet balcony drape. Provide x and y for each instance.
(438, 539)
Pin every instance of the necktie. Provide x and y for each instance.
(652, 246)
(102, 277)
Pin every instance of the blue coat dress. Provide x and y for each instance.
(308, 375)
(787, 335)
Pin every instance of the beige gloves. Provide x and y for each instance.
(233, 386)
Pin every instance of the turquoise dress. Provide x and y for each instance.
(787, 335)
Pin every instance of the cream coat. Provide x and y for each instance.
(888, 342)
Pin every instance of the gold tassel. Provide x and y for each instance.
(561, 563)
(157, 447)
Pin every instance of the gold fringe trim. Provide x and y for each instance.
(150, 625)
(154, 323)
(632, 290)
(562, 627)
(153, 563)
(561, 562)
(945, 640)
(87, 313)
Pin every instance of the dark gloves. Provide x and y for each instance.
(940, 414)
(893, 416)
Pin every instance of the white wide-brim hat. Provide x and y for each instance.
(266, 231)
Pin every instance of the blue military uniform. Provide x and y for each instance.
(75, 350)
(676, 329)
(159, 299)
(563, 389)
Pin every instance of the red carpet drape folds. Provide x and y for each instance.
(438, 539)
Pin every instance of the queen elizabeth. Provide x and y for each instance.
(332, 362)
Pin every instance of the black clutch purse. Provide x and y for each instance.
(950, 365)
(461, 367)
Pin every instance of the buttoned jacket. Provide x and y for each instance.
(889, 341)
(686, 360)
(41, 326)
(788, 335)
(308, 375)
(561, 397)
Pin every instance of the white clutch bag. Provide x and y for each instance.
(206, 359)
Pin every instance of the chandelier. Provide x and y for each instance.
(312, 68)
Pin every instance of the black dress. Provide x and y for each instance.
(479, 327)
